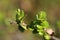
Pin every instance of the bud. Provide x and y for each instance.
(49, 31)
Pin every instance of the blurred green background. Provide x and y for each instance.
(31, 7)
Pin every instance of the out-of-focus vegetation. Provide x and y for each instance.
(31, 7)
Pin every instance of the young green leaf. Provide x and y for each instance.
(45, 24)
(47, 37)
(20, 14)
(19, 17)
(41, 15)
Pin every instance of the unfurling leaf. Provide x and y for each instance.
(45, 24)
(20, 14)
(19, 17)
(41, 15)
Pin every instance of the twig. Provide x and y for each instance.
(14, 22)
(54, 38)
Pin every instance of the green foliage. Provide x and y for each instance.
(47, 37)
(36, 26)
(41, 15)
(19, 18)
(40, 24)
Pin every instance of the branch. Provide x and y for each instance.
(54, 38)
